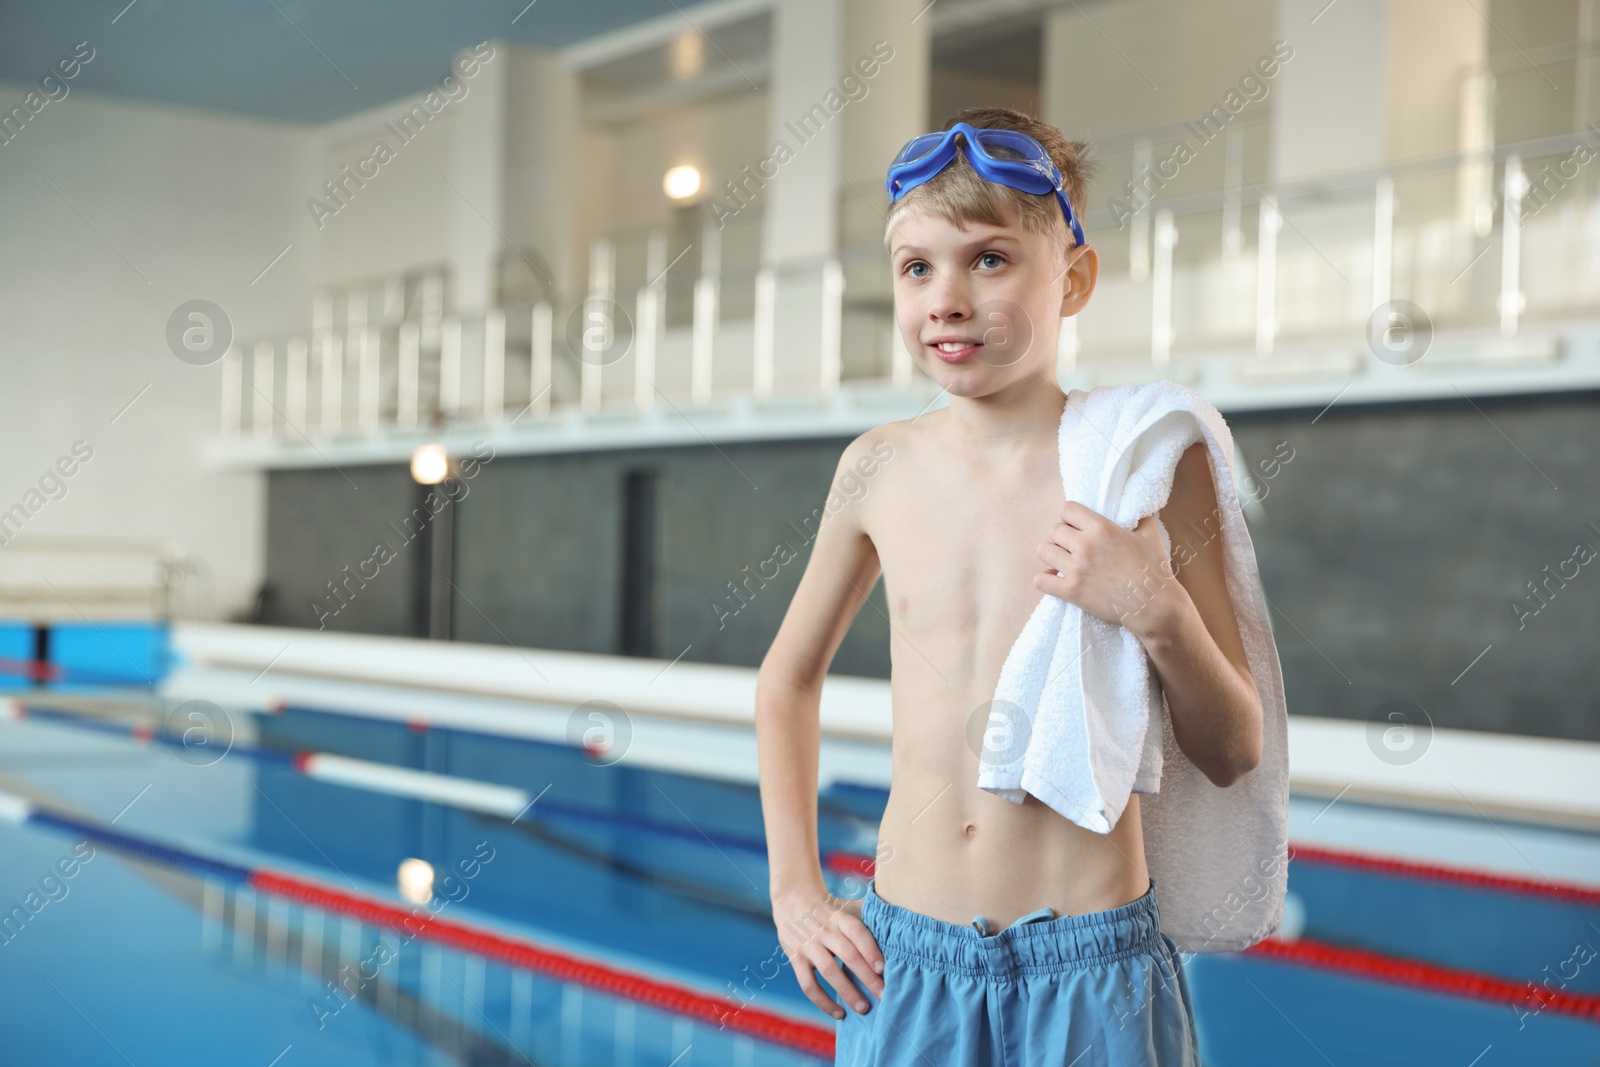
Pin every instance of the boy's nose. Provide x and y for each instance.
(950, 298)
(950, 304)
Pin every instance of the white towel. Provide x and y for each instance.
(1083, 707)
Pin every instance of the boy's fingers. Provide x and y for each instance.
(871, 957)
(840, 983)
(813, 991)
(851, 957)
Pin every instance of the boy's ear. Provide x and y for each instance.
(1083, 270)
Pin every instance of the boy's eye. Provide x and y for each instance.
(910, 268)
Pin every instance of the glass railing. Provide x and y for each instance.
(1489, 243)
(1482, 244)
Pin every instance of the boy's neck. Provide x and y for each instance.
(1005, 421)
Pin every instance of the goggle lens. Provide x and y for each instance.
(1000, 144)
(916, 148)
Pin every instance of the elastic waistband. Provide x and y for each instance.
(1040, 947)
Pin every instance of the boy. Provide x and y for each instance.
(992, 932)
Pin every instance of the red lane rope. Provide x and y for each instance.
(38, 670)
(807, 1037)
(1436, 872)
(849, 863)
(819, 1040)
(1430, 977)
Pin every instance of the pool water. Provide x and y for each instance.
(133, 958)
(128, 959)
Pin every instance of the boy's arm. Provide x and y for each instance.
(841, 571)
(1185, 620)
(1192, 635)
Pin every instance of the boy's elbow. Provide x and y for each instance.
(1245, 766)
(1239, 765)
(1223, 776)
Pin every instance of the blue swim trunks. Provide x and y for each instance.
(1106, 988)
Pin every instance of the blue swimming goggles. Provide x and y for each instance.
(927, 154)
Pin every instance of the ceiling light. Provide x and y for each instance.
(681, 182)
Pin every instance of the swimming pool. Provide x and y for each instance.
(238, 908)
(147, 956)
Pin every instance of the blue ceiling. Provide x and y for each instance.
(293, 60)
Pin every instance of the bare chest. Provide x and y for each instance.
(959, 549)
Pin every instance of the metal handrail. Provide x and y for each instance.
(33, 597)
(1366, 177)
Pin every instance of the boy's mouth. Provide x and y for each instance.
(954, 349)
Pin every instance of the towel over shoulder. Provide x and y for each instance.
(1082, 706)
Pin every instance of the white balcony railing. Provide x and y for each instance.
(1246, 273)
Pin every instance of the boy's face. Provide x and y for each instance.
(1001, 290)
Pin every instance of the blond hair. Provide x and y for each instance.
(960, 195)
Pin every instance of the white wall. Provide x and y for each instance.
(166, 205)
(802, 214)
(494, 164)
(1332, 111)
(394, 222)
(171, 204)
(1114, 67)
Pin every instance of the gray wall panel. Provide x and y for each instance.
(324, 526)
(538, 550)
(724, 585)
(1396, 542)
(1393, 547)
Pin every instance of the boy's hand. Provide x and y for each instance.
(815, 927)
(1117, 575)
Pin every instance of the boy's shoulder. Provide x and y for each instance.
(869, 461)
(879, 444)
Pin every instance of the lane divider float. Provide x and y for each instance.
(515, 951)
(512, 802)
(508, 802)
(489, 798)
